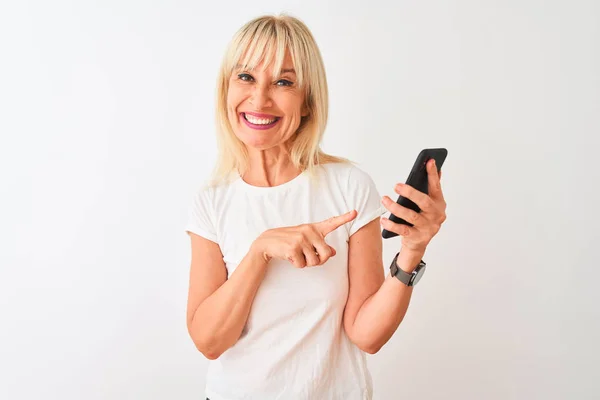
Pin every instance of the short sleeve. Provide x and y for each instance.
(201, 218)
(364, 198)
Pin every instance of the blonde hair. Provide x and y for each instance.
(266, 39)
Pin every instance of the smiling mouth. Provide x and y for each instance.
(260, 121)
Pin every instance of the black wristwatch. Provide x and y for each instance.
(409, 279)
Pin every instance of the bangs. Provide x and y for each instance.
(267, 43)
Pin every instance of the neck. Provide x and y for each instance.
(272, 167)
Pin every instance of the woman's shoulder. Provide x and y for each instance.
(214, 185)
(348, 171)
(209, 190)
(339, 168)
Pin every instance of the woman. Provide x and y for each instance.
(287, 291)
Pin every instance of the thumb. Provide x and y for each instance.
(333, 252)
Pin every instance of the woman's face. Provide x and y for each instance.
(264, 112)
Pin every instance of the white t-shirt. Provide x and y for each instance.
(293, 346)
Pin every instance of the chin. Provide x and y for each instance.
(255, 141)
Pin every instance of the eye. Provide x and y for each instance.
(284, 82)
(245, 77)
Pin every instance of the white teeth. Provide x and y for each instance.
(258, 121)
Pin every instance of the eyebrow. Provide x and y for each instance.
(283, 71)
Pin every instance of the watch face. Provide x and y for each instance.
(418, 276)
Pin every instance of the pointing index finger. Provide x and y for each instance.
(331, 224)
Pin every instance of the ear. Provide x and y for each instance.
(305, 111)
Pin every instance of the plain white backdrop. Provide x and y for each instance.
(107, 130)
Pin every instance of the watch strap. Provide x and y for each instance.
(405, 277)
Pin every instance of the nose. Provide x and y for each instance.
(261, 97)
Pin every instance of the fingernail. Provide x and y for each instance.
(399, 186)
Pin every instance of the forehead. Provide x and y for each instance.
(266, 62)
(275, 55)
(268, 69)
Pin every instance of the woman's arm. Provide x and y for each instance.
(218, 307)
(376, 305)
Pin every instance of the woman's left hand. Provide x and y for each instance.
(428, 222)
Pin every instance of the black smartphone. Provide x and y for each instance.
(417, 179)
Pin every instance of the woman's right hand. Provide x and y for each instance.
(302, 245)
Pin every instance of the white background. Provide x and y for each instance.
(107, 130)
